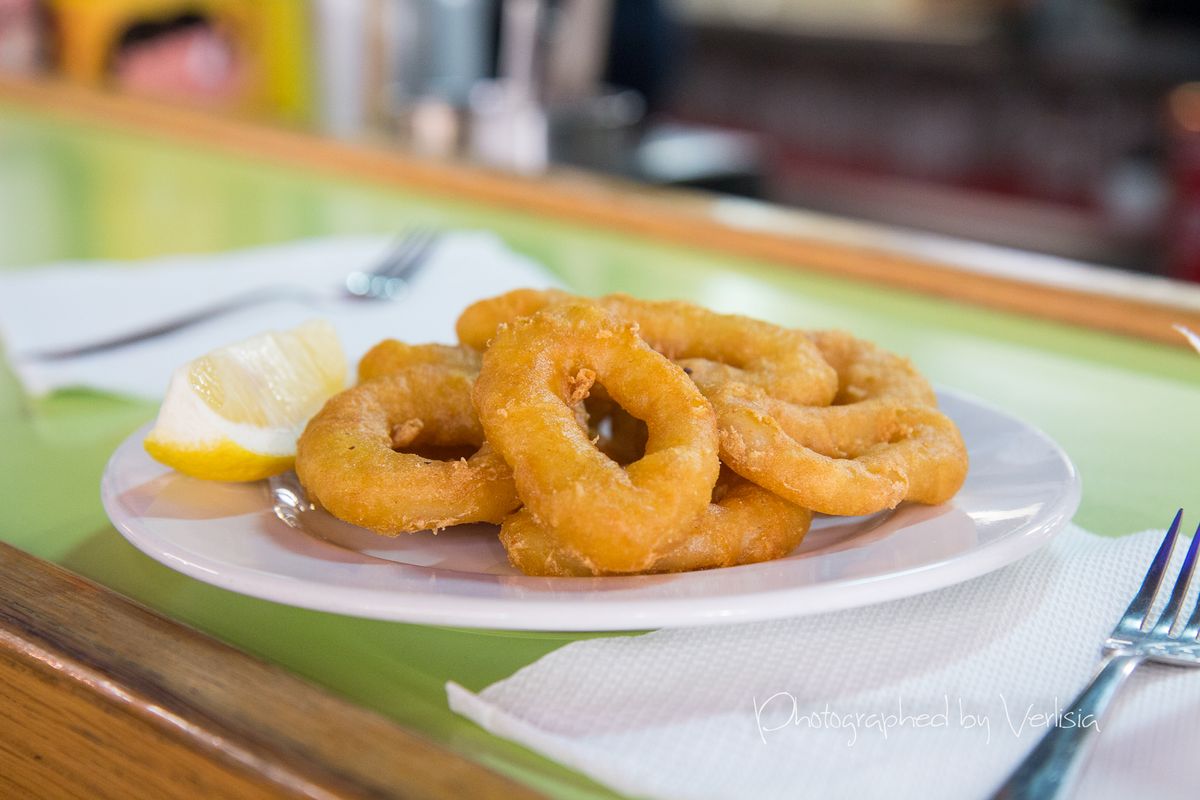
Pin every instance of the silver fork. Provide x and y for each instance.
(385, 281)
(1055, 764)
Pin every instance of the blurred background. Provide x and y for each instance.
(1067, 127)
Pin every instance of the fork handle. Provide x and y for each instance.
(1052, 767)
(187, 320)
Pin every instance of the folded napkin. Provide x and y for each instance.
(935, 696)
(74, 304)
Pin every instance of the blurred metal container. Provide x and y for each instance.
(340, 34)
(549, 104)
(453, 50)
(399, 65)
(508, 127)
(597, 131)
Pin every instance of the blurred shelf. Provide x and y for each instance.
(901, 22)
(1055, 229)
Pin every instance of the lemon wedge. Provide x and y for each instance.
(235, 414)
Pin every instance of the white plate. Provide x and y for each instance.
(1021, 489)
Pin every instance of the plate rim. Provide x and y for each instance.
(403, 605)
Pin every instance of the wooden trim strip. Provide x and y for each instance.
(680, 217)
(101, 697)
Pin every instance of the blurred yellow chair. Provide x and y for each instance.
(269, 46)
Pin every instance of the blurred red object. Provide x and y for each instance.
(1183, 162)
(189, 57)
(23, 36)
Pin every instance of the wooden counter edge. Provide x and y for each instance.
(100, 696)
(679, 217)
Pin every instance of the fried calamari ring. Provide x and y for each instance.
(784, 361)
(346, 457)
(392, 355)
(911, 453)
(744, 524)
(616, 519)
(478, 322)
(868, 372)
(872, 384)
(881, 442)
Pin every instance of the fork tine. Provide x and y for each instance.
(401, 245)
(1179, 593)
(1135, 615)
(411, 251)
(1193, 624)
(388, 276)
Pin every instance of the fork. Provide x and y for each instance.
(1054, 765)
(385, 281)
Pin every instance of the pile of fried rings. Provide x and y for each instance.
(622, 436)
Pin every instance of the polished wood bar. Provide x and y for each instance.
(101, 697)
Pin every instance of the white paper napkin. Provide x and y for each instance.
(78, 303)
(930, 697)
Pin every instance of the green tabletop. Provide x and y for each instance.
(1126, 411)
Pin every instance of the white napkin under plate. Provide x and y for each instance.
(934, 696)
(72, 304)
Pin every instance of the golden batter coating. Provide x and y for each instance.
(914, 453)
(478, 322)
(616, 519)
(744, 524)
(784, 361)
(347, 461)
(392, 355)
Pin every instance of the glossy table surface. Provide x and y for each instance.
(1125, 410)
